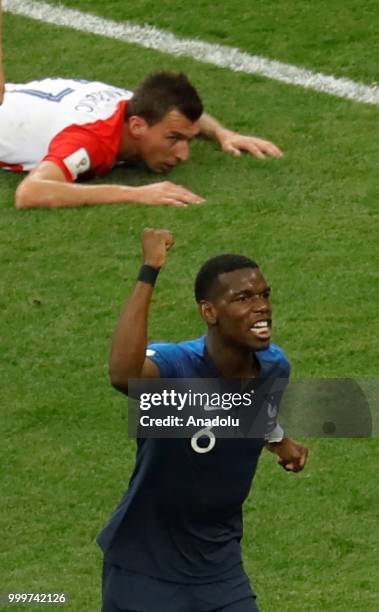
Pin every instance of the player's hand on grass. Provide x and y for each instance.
(235, 144)
(292, 456)
(167, 193)
(156, 243)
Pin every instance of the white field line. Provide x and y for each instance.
(218, 55)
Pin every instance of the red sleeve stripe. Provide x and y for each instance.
(59, 162)
(14, 167)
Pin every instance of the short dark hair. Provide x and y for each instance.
(161, 92)
(211, 270)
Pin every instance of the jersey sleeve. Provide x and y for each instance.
(281, 370)
(283, 374)
(76, 151)
(166, 356)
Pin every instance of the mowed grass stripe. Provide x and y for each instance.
(219, 55)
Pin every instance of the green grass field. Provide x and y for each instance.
(311, 220)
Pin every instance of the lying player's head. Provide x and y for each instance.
(163, 118)
(234, 300)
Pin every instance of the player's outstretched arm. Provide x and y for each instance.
(128, 354)
(292, 456)
(47, 187)
(2, 81)
(234, 143)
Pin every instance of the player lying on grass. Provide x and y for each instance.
(63, 130)
(174, 541)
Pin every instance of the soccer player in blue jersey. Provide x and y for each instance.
(173, 543)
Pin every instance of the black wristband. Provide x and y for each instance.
(148, 274)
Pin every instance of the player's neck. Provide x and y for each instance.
(232, 361)
(128, 150)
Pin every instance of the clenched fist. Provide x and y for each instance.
(292, 456)
(156, 243)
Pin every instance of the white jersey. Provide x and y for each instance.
(77, 124)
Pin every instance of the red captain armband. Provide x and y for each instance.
(148, 274)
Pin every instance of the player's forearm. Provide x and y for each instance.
(130, 338)
(210, 127)
(58, 194)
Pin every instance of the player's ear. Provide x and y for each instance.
(137, 126)
(208, 312)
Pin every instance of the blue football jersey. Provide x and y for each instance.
(181, 517)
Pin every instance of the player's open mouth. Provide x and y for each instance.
(262, 329)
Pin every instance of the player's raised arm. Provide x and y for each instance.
(128, 354)
(2, 82)
(234, 143)
(47, 187)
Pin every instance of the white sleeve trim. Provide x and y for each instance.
(276, 435)
(78, 162)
